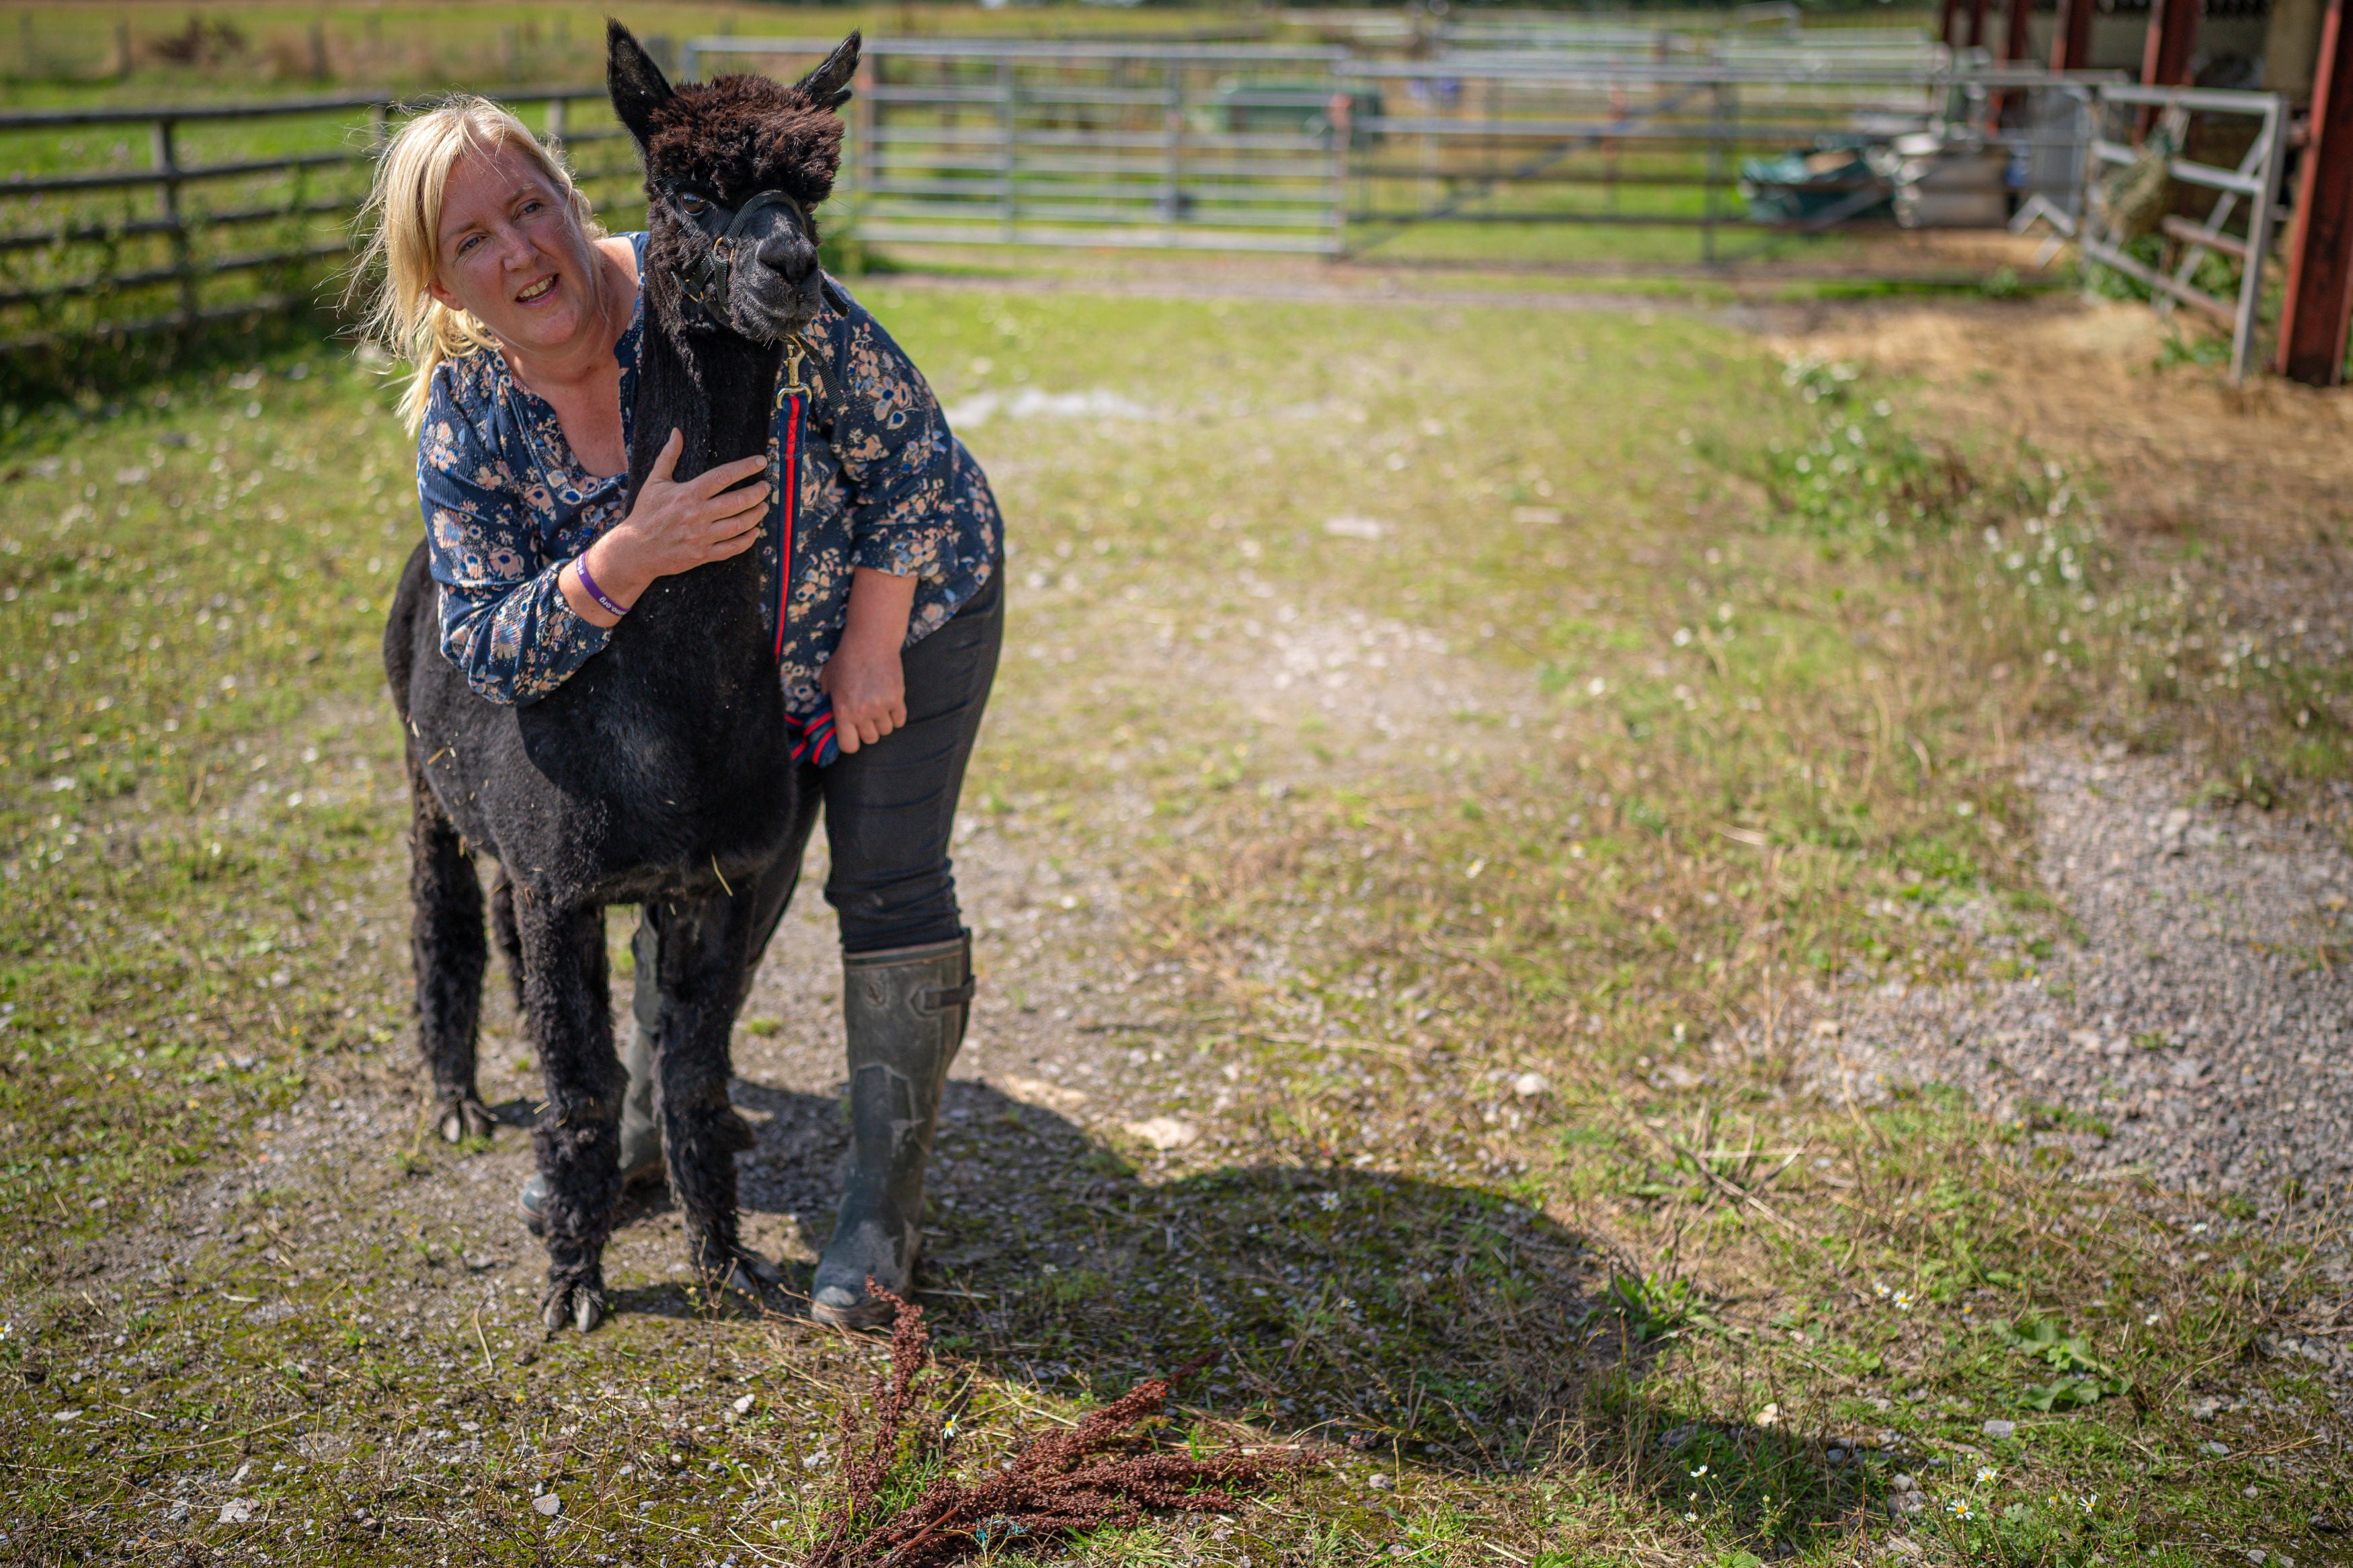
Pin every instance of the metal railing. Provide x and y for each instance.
(2246, 194)
(1503, 139)
(1009, 142)
(1016, 141)
(1137, 143)
(204, 234)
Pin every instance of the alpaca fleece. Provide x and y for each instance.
(659, 773)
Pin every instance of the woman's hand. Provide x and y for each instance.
(864, 676)
(675, 526)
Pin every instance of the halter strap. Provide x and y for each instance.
(709, 279)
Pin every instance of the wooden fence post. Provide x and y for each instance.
(167, 163)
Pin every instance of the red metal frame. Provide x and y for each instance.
(2071, 39)
(2318, 310)
(2014, 44)
(2172, 43)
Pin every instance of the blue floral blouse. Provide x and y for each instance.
(883, 484)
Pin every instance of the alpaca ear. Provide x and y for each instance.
(827, 87)
(637, 85)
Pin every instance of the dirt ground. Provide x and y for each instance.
(1157, 1136)
(2268, 464)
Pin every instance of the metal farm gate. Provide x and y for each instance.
(1536, 139)
(972, 140)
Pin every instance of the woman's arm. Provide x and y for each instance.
(864, 676)
(672, 527)
(505, 623)
(896, 454)
(518, 624)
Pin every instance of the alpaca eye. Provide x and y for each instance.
(694, 206)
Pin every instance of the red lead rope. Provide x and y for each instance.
(814, 738)
(789, 483)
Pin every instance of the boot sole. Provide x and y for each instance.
(865, 1315)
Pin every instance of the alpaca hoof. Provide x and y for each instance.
(464, 1119)
(580, 1306)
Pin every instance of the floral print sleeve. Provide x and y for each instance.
(897, 458)
(504, 621)
(884, 484)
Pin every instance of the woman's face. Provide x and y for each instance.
(511, 251)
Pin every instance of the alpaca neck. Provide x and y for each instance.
(719, 390)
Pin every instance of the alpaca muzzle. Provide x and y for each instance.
(708, 284)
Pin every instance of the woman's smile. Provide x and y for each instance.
(534, 292)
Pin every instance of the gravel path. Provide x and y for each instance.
(2196, 1031)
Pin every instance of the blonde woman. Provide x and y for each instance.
(521, 323)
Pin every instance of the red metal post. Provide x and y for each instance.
(1977, 23)
(2021, 13)
(1946, 16)
(2071, 40)
(2318, 310)
(2172, 43)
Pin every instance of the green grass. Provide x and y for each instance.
(53, 57)
(1720, 638)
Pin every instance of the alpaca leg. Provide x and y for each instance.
(701, 950)
(578, 1140)
(446, 943)
(502, 926)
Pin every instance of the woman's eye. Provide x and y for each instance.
(694, 205)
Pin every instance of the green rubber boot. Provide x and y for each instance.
(905, 1011)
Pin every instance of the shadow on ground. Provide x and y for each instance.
(1442, 1322)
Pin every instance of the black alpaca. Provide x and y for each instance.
(660, 771)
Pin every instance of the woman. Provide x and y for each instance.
(522, 321)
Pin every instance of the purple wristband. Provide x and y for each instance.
(580, 564)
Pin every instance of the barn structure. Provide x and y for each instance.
(2301, 48)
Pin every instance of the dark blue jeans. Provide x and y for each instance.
(890, 809)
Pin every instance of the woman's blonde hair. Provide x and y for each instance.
(401, 219)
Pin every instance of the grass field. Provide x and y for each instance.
(211, 46)
(106, 246)
(1474, 736)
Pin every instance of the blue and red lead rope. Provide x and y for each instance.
(814, 738)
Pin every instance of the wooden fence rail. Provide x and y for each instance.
(98, 253)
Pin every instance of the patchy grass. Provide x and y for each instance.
(1496, 725)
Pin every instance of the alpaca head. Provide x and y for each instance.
(723, 250)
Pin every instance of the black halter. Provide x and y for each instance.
(706, 285)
